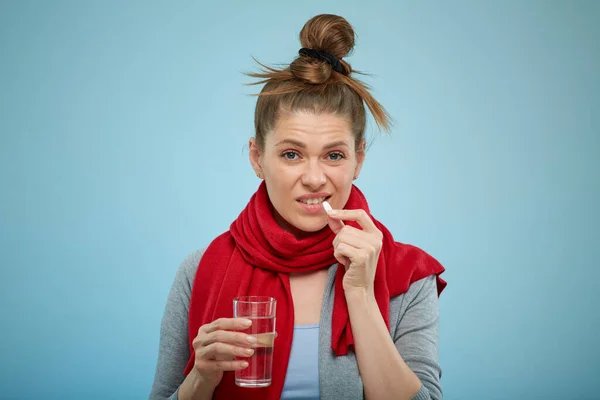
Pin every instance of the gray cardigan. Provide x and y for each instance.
(414, 323)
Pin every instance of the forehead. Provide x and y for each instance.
(311, 128)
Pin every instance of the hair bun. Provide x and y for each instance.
(326, 33)
(329, 33)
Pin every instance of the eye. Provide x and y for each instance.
(290, 155)
(336, 156)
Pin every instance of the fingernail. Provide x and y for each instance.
(251, 339)
(327, 207)
(244, 364)
(249, 351)
(246, 322)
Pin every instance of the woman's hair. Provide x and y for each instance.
(312, 82)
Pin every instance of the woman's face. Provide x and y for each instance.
(307, 159)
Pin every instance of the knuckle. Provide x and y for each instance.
(201, 351)
(217, 336)
(223, 348)
(217, 323)
(203, 330)
(218, 347)
(207, 339)
(198, 342)
(212, 348)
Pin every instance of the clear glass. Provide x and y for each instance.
(261, 311)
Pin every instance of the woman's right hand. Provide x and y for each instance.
(217, 345)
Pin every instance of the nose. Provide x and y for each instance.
(313, 175)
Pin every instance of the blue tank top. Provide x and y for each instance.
(302, 378)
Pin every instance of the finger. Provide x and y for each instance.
(227, 324)
(345, 253)
(350, 235)
(219, 350)
(226, 365)
(358, 238)
(334, 224)
(358, 215)
(231, 337)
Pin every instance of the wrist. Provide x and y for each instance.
(203, 384)
(360, 295)
(195, 387)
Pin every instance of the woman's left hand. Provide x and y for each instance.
(358, 250)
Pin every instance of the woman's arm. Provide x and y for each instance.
(406, 368)
(384, 373)
(417, 335)
(173, 351)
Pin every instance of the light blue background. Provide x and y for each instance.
(123, 148)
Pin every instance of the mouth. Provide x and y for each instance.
(314, 201)
(313, 205)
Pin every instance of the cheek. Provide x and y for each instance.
(341, 177)
(280, 179)
(342, 180)
(283, 175)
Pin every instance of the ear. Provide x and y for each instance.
(256, 158)
(360, 157)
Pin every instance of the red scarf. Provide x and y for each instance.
(254, 258)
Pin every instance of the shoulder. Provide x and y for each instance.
(422, 288)
(178, 301)
(190, 263)
(186, 273)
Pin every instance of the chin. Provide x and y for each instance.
(309, 226)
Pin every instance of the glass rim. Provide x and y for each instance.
(254, 299)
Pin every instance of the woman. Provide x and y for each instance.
(377, 313)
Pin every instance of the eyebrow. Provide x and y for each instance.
(303, 146)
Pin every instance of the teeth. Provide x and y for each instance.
(313, 201)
